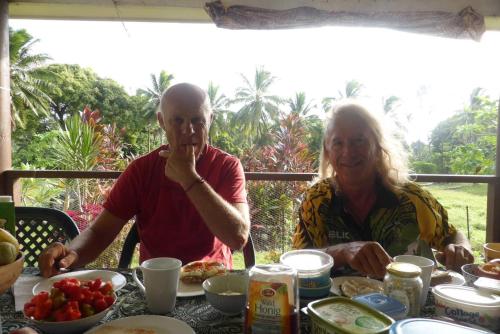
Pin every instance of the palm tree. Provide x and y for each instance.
(159, 84)
(390, 104)
(352, 90)
(476, 98)
(259, 108)
(29, 79)
(390, 107)
(299, 104)
(153, 94)
(218, 103)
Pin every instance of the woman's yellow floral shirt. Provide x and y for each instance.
(396, 221)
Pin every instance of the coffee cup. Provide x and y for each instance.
(426, 265)
(161, 279)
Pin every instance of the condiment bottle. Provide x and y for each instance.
(7, 214)
(272, 302)
(402, 282)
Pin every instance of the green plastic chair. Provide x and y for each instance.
(36, 228)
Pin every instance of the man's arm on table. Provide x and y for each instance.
(228, 222)
(84, 248)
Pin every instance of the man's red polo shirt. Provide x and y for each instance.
(168, 223)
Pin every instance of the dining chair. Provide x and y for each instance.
(36, 228)
(132, 240)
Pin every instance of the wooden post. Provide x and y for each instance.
(5, 121)
(493, 205)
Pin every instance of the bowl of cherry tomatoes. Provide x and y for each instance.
(71, 306)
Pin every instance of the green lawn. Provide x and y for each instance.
(456, 198)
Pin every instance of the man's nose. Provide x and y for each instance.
(187, 128)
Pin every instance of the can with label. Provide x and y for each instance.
(272, 300)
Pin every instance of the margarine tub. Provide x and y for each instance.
(340, 315)
(467, 304)
(420, 325)
(313, 268)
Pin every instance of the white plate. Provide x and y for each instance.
(189, 290)
(337, 282)
(456, 278)
(160, 324)
(117, 279)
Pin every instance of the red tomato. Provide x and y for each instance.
(107, 288)
(100, 305)
(109, 299)
(69, 299)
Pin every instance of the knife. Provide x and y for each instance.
(424, 250)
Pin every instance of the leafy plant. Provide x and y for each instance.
(30, 80)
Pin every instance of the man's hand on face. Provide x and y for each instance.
(367, 257)
(181, 162)
(454, 256)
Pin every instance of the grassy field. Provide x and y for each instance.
(456, 198)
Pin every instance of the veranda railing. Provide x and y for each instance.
(11, 178)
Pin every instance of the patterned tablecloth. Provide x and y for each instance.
(195, 311)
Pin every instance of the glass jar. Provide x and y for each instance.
(272, 300)
(403, 282)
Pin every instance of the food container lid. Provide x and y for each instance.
(383, 303)
(488, 284)
(343, 315)
(307, 260)
(466, 295)
(403, 269)
(419, 326)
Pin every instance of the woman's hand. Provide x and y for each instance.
(454, 256)
(367, 257)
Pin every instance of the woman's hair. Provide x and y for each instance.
(391, 165)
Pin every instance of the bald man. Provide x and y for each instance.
(188, 198)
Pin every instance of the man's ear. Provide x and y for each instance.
(159, 117)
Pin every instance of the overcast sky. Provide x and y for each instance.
(433, 76)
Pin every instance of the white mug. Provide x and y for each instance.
(161, 279)
(426, 265)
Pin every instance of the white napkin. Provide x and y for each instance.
(23, 290)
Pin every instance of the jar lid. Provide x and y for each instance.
(5, 198)
(307, 260)
(403, 269)
(390, 306)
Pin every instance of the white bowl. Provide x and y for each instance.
(72, 326)
(469, 273)
(216, 290)
(468, 305)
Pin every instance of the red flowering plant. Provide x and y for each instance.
(273, 204)
(86, 144)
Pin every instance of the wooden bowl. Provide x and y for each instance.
(10, 272)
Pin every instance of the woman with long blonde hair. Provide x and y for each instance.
(364, 209)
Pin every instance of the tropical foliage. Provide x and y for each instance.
(258, 108)
(30, 80)
(73, 119)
